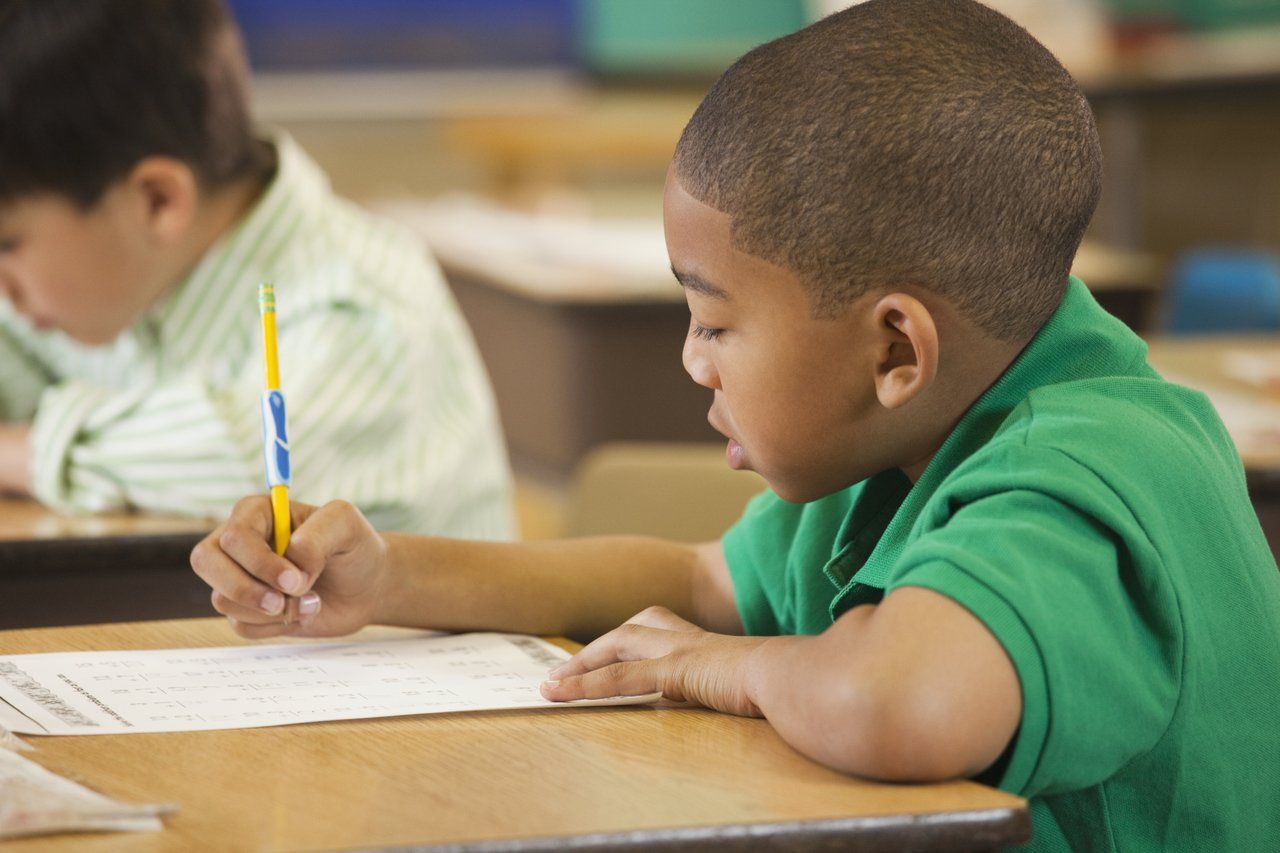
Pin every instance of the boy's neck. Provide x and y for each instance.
(978, 365)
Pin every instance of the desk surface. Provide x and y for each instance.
(643, 778)
(25, 520)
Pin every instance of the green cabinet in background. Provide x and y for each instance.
(1204, 14)
(680, 37)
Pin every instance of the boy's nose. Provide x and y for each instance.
(699, 365)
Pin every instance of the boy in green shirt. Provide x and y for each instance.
(996, 544)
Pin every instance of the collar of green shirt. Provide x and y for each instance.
(1080, 341)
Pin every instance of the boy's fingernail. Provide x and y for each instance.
(555, 672)
(290, 580)
(308, 604)
(272, 602)
(551, 683)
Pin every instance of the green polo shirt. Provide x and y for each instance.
(1095, 518)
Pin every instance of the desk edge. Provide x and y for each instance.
(975, 829)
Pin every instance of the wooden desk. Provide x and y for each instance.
(597, 779)
(59, 570)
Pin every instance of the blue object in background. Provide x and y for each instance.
(1224, 290)
(617, 38)
(315, 35)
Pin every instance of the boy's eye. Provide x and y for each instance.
(701, 331)
(7, 245)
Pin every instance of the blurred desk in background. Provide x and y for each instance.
(1237, 58)
(1241, 375)
(62, 570)
(581, 324)
(1190, 125)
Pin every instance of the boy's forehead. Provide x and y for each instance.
(703, 256)
(679, 203)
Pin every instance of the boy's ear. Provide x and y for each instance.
(907, 349)
(167, 196)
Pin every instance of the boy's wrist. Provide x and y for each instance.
(770, 667)
(396, 585)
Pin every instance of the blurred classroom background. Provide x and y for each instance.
(526, 141)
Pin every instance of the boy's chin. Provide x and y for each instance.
(92, 337)
(802, 489)
(796, 492)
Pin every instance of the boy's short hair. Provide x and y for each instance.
(932, 142)
(88, 88)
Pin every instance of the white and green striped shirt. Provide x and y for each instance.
(389, 406)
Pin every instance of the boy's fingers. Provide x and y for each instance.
(330, 530)
(626, 643)
(248, 547)
(299, 512)
(253, 512)
(631, 678)
(661, 617)
(262, 632)
(231, 581)
(241, 613)
(301, 610)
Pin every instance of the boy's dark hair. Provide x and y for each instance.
(88, 88)
(904, 141)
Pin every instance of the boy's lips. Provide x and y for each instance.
(733, 450)
(733, 454)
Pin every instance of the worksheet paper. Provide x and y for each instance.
(172, 690)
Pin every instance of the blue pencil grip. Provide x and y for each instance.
(275, 439)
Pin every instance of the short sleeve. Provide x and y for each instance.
(1091, 627)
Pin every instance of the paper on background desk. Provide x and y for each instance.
(234, 687)
(1260, 369)
(543, 254)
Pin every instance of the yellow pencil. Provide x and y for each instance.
(275, 438)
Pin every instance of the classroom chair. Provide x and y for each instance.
(678, 491)
(1224, 290)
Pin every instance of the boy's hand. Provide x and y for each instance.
(655, 650)
(328, 582)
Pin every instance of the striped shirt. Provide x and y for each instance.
(389, 405)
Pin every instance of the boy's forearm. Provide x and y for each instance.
(814, 692)
(580, 588)
(912, 689)
(15, 459)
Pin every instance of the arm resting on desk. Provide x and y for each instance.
(914, 688)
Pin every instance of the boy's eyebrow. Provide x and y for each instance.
(689, 281)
